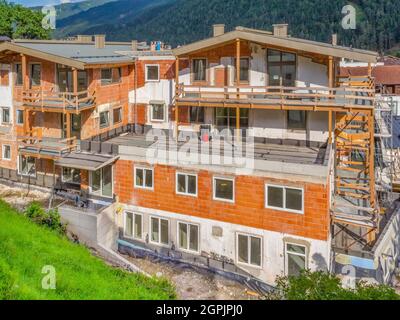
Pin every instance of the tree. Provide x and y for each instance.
(17, 21)
(324, 286)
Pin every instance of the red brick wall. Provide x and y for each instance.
(248, 209)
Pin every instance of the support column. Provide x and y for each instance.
(68, 122)
(176, 98)
(25, 77)
(238, 88)
(330, 127)
(75, 80)
(330, 72)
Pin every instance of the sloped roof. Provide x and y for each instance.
(265, 37)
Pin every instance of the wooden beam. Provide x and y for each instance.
(330, 72)
(330, 126)
(75, 80)
(25, 78)
(68, 118)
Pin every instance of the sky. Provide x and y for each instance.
(33, 3)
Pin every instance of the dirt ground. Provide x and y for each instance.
(193, 284)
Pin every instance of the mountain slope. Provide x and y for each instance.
(183, 21)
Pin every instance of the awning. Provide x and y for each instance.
(86, 161)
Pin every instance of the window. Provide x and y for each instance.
(281, 68)
(104, 119)
(295, 259)
(144, 178)
(157, 112)
(188, 236)
(71, 175)
(6, 152)
(296, 119)
(244, 69)
(224, 189)
(284, 198)
(111, 75)
(18, 71)
(196, 114)
(226, 118)
(35, 74)
(27, 166)
(20, 117)
(4, 78)
(133, 225)
(5, 115)
(152, 72)
(159, 230)
(117, 115)
(101, 182)
(186, 184)
(199, 69)
(249, 250)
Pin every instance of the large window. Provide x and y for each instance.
(18, 72)
(249, 250)
(20, 117)
(35, 74)
(71, 175)
(295, 259)
(188, 236)
(101, 182)
(5, 115)
(133, 225)
(199, 69)
(117, 115)
(6, 152)
(244, 69)
(27, 166)
(284, 198)
(224, 189)
(111, 75)
(296, 119)
(159, 230)
(152, 72)
(186, 184)
(104, 119)
(196, 114)
(281, 68)
(226, 118)
(144, 178)
(157, 112)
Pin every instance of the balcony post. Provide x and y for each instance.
(238, 89)
(330, 72)
(25, 78)
(176, 98)
(75, 85)
(330, 127)
(68, 122)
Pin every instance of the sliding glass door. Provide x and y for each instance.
(101, 182)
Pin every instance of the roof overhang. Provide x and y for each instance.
(9, 46)
(282, 42)
(86, 161)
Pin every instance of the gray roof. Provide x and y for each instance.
(86, 160)
(84, 52)
(138, 54)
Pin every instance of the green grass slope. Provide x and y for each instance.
(26, 247)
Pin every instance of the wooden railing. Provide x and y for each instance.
(48, 99)
(347, 94)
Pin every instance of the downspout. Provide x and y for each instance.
(135, 95)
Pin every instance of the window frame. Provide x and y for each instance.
(110, 81)
(199, 110)
(305, 128)
(192, 70)
(152, 119)
(16, 83)
(248, 70)
(19, 167)
(119, 109)
(108, 120)
(159, 230)
(17, 118)
(146, 72)
(70, 182)
(133, 237)
(100, 191)
(233, 189)
(295, 253)
(31, 64)
(2, 116)
(186, 174)
(2, 152)
(188, 224)
(248, 264)
(144, 178)
(283, 187)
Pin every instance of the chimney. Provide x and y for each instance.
(100, 41)
(280, 30)
(218, 30)
(84, 39)
(334, 39)
(134, 45)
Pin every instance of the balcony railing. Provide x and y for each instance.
(34, 144)
(58, 101)
(258, 96)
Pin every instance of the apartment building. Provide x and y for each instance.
(245, 153)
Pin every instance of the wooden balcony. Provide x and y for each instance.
(35, 145)
(278, 97)
(50, 101)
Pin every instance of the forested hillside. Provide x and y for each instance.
(183, 21)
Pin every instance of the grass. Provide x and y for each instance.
(25, 248)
